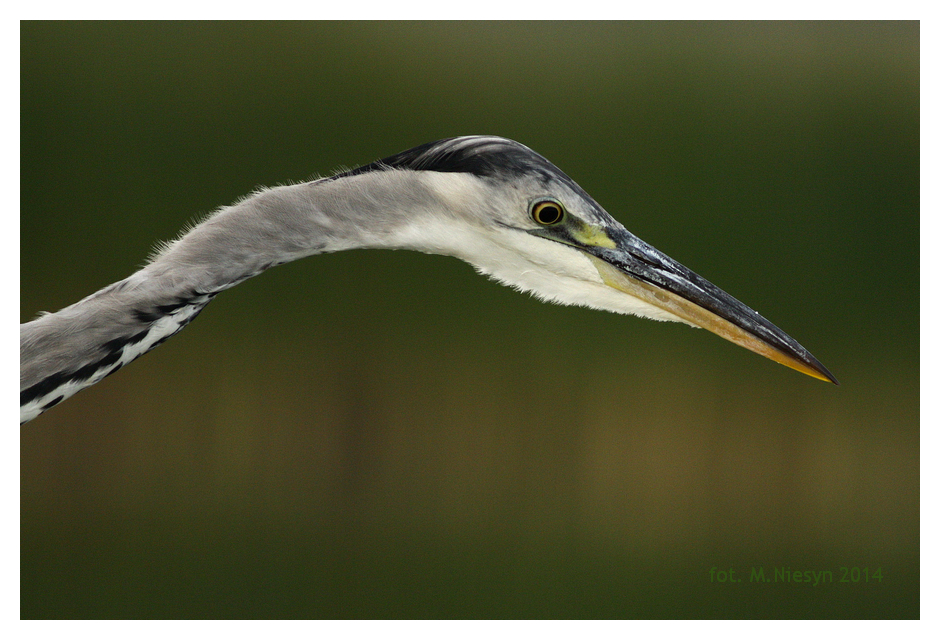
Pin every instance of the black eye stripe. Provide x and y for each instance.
(548, 212)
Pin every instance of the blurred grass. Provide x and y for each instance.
(377, 434)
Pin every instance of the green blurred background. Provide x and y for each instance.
(387, 434)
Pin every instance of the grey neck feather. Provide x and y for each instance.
(64, 352)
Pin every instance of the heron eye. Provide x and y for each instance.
(548, 212)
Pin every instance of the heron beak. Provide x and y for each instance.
(626, 263)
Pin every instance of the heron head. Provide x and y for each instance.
(528, 225)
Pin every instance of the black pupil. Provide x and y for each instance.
(549, 214)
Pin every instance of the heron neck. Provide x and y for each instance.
(64, 352)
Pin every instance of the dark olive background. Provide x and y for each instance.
(387, 434)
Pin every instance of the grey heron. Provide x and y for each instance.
(490, 201)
